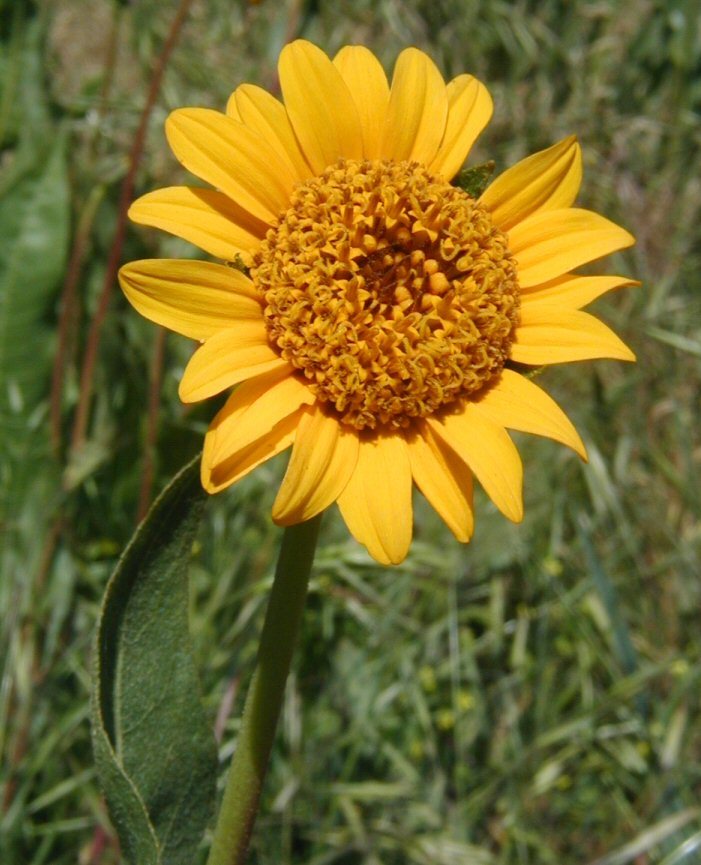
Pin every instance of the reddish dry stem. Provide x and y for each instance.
(125, 197)
(66, 322)
(30, 637)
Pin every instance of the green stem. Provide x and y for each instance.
(239, 807)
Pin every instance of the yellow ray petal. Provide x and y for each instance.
(516, 403)
(194, 298)
(320, 106)
(367, 82)
(487, 449)
(266, 116)
(572, 291)
(227, 358)
(253, 410)
(216, 478)
(445, 480)
(231, 157)
(553, 335)
(417, 109)
(232, 109)
(469, 111)
(551, 242)
(258, 421)
(376, 502)
(209, 219)
(548, 180)
(323, 459)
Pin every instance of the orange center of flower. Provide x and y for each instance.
(391, 291)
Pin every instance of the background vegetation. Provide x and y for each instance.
(532, 698)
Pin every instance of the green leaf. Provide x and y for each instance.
(154, 748)
(475, 180)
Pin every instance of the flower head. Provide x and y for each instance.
(372, 315)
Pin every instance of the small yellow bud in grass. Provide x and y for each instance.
(445, 719)
(552, 566)
(427, 677)
(416, 749)
(680, 668)
(465, 701)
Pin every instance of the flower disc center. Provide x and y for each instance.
(390, 290)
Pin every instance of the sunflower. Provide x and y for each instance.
(374, 317)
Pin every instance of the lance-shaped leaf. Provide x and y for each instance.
(154, 748)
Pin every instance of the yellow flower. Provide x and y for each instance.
(375, 316)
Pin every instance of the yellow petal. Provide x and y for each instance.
(320, 106)
(258, 421)
(516, 403)
(376, 502)
(417, 110)
(487, 449)
(323, 459)
(232, 108)
(231, 157)
(551, 242)
(367, 82)
(261, 112)
(469, 111)
(217, 478)
(548, 180)
(571, 291)
(254, 409)
(227, 358)
(445, 480)
(553, 335)
(194, 298)
(207, 218)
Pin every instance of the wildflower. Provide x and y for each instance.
(376, 318)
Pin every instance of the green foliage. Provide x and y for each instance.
(34, 225)
(154, 750)
(34, 237)
(474, 180)
(532, 699)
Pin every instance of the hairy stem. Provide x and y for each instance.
(239, 806)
